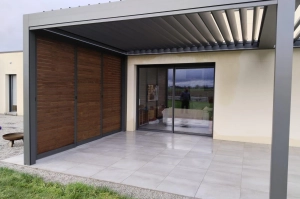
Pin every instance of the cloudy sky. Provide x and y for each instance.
(192, 77)
(11, 16)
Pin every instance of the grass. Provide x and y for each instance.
(193, 104)
(16, 185)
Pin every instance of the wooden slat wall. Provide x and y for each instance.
(55, 94)
(88, 93)
(111, 93)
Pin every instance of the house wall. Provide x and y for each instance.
(11, 63)
(244, 83)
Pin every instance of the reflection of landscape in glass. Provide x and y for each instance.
(200, 83)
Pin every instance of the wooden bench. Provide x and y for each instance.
(13, 136)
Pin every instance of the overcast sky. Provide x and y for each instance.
(11, 17)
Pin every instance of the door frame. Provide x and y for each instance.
(174, 66)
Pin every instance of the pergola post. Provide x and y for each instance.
(282, 98)
(29, 85)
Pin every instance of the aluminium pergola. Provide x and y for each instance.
(174, 26)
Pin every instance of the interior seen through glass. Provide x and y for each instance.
(189, 96)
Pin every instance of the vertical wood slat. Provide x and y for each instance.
(88, 93)
(55, 94)
(111, 93)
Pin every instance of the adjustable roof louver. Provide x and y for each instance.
(231, 29)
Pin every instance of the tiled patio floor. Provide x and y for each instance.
(183, 164)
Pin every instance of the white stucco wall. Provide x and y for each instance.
(243, 92)
(11, 63)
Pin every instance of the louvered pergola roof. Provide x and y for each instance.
(235, 26)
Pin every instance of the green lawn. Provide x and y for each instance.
(193, 104)
(16, 185)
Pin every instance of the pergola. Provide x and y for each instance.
(167, 26)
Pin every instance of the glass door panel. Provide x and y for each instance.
(153, 103)
(194, 100)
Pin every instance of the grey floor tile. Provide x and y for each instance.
(144, 180)
(231, 147)
(257, 145)
(228, 159)
(188, 173)
(103, 160)
(113, 174)
(250, 194)
(195, 154)
(199, 163)
(115, 153)
(230, 153)
(80, 157)
(84, 170)
(226, 167)
(179, 186)
(142, 157)
(174, 153)
(252, 172)
(255, 152)
(205, 149)
(295, 178)
(223, 178)
(255, 181)
(157, 168)
(129, 164)
(56, 165)
(217, 191)
(166, 159)
(294, 165)
(293, 189)
(261, 163)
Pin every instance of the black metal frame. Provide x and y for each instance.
(10, 92)
(173, 66)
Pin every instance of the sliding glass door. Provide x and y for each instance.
(176, 98)
(194, 93)
(153, 94)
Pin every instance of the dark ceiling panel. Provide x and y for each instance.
(177, 42)
(112, 36)
(141, 37)
(182, 30)
(156, 35)
(201, 27)
(162, 23)
(184, 21)
(88, 32)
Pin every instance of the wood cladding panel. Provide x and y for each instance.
(55, 94)
(88, 94)
(111, 93)
(98, 100)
